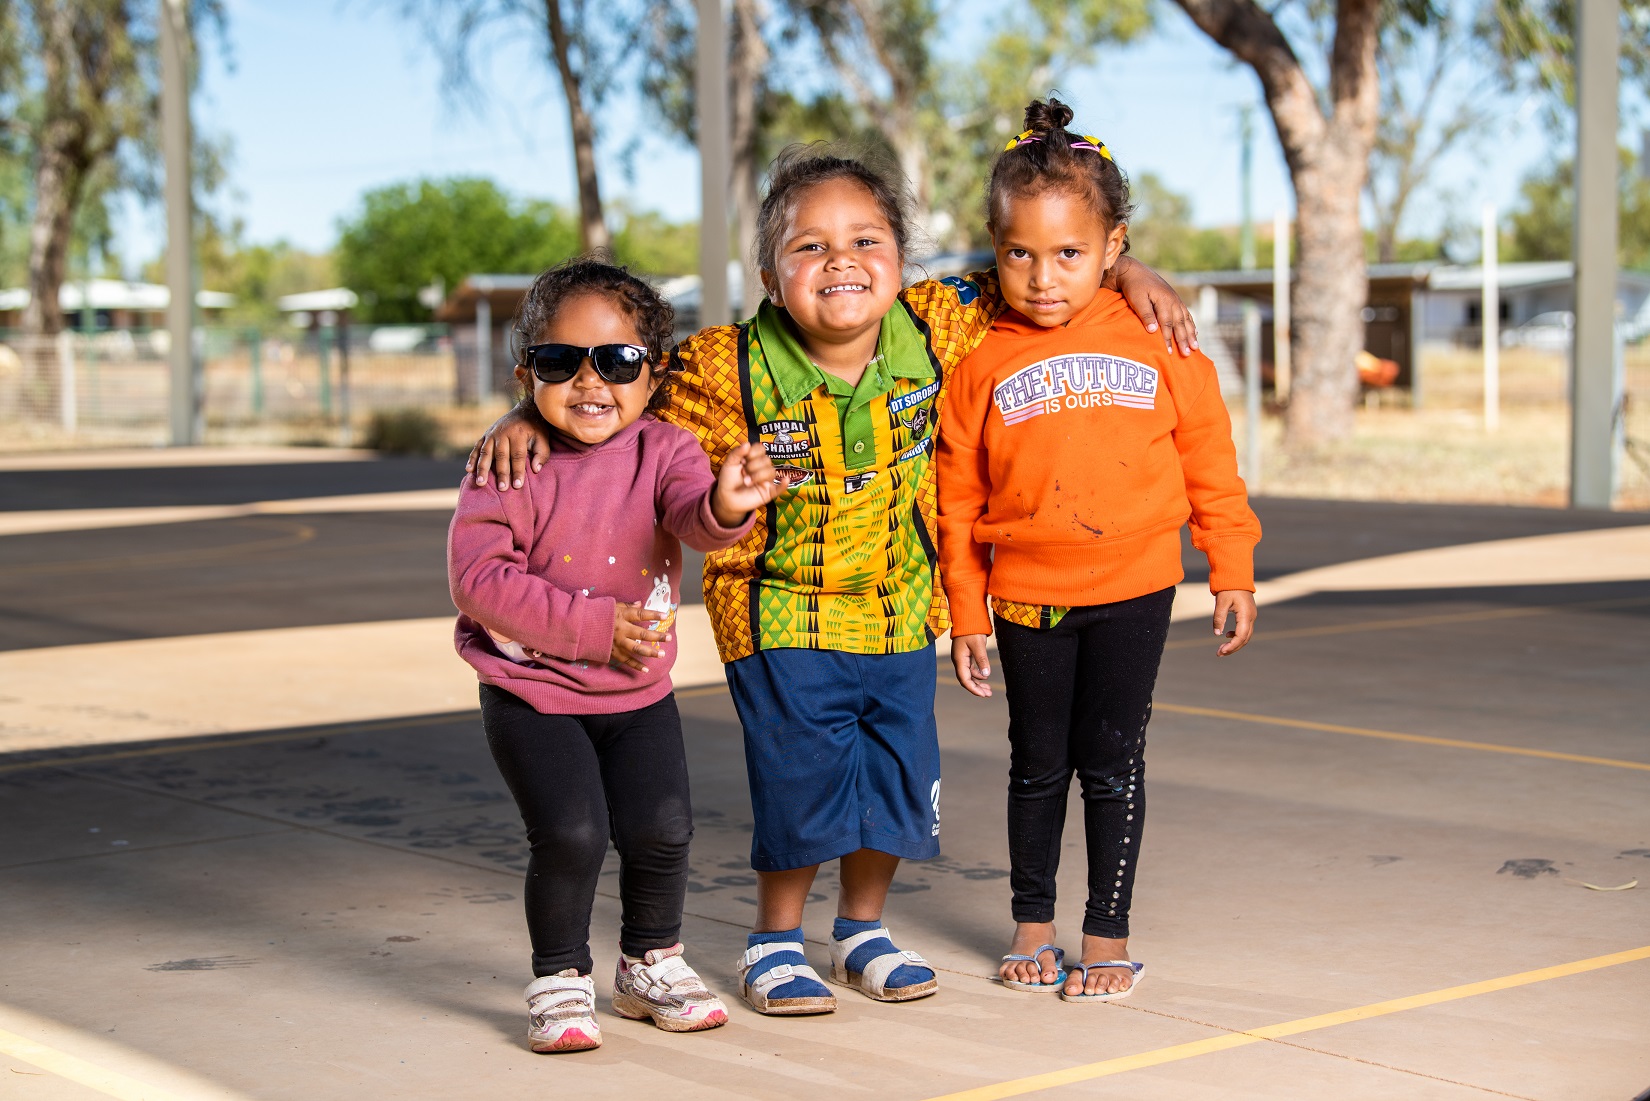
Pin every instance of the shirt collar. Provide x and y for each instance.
(901, 351)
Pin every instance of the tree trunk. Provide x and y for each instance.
(1328, 301)
(63, 160)
(748, 60)
(1328, 160)
(592, 227)
(58, 181)
(900, 128)
(896, 118)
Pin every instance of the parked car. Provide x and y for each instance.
(1548, 332)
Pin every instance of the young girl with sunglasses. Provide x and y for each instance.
(1072, 454)
(567, 590)
(827, 611)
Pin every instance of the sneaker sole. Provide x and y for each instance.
(569, 1041)
(898, 994)
(633, 1008)
(790, 1007)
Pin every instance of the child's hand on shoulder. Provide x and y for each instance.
(633, 638)
(972, 665)
(1239, 603)
(506, 447)
(1156, 303)
(746, 482)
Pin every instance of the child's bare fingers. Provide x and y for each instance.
(481, 458)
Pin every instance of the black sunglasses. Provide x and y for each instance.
(617, 363)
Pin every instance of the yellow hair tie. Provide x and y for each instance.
(1088, 141)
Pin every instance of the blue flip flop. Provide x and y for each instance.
(1111, 996)
(1038, 987)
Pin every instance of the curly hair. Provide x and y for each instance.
(596, 274)
(1048, 162)
(800, 167)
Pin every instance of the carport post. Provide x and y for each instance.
(1490, 311)
(184, 400)
(1280, 305)
(484, 346)
(711, 90)
(1592, 389)
(1417, 333)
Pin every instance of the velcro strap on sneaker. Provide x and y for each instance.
(561, 1004)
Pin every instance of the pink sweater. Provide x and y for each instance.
(545, 564)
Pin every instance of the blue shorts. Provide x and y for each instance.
(842, 753)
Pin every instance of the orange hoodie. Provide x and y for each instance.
(1070, 457)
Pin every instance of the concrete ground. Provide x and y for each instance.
(1365, 874)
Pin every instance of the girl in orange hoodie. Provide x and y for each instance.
(1071, 453)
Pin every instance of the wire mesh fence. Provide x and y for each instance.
(315, 385)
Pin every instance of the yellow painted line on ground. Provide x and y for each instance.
(111, 1083)
(1107, 1067)
(232, 743)
(1418, 621)
(1396, 736)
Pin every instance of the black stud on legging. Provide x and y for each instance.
(578, 780)
(1079, 698)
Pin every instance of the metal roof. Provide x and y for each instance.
(114, 294)
(333, 298)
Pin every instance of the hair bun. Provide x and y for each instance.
(1046, 118)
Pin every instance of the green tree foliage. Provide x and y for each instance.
(1161, 232)
(1535, 42)
(409, 235)
(975, 105)
(649, 244)
(79, 96)
(257, 275)
(1544, 223)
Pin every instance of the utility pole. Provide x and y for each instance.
(1592, 389)
(711, 89)
(1251, 312)
(185, 398)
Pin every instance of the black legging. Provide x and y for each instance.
(1079, 698)
(580, 779)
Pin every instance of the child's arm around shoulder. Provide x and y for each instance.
(702, 391)
(1157, 305)
(706, 511)
(488, 575)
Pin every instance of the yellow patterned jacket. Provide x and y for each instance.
(844, 558)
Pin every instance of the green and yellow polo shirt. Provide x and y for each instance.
(844, 558)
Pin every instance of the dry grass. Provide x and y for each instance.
(1442, 452)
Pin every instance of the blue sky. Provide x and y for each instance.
(327, 99)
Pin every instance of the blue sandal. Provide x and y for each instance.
(1110, 996)
(1038, 987)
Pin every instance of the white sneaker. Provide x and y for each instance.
(661, 985)
(561, 1013)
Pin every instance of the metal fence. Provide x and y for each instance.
(286, 384)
